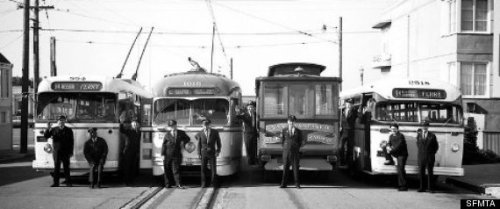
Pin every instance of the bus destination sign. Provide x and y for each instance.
(190, 91)
(76, 86)
(419, 93)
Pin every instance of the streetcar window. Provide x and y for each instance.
(301, 100)
(409, 112)
(274, 98)
(441, 113)
(324, 99)
(401, 112)
(171, 109)
(217, 110)
(77, 107)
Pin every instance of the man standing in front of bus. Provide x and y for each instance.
(427, 147)
(349, 115)
(249, 119)
(62, 142)
(209, 147)
(173, 141)
(291, 140)
(95, 151)
(397, 148)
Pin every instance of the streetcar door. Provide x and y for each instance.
(146, 144)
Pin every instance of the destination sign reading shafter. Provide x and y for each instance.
(76, 86)
(190, 91)
(314, 132)
(419, 93)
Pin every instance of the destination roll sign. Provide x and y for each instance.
(190, 91)
(76, 86)
(419, 93)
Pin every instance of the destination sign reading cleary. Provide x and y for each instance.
(190, 91)
(419, 93)
(77, 86)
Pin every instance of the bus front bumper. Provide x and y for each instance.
(412, 169)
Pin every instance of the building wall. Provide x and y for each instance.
(5, 106)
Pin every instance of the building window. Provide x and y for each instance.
(474, 15)
(3, 117)
(473, 79)
(4, 83)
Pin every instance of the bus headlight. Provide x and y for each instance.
(47, 148)
(455, 147)
(190, 147)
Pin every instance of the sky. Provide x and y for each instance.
(94, 36)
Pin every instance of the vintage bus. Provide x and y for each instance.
(90, 101)
(189, 97)
(408, 103)
(298, 89)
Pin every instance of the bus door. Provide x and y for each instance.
(366, 109)
(146, 143)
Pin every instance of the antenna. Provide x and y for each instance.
(130, 50)
(134, 77)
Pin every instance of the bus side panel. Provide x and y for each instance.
(448, 162)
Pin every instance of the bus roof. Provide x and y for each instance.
(195, 83)
(294, 68)
(387, 88)
(92, 84)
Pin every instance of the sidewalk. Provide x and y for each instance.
(13, 155)
(483, 178)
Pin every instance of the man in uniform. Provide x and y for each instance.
(95, 151)
(62, 142)
(130, 151)
(427, 147)
(291, 140)
(249, 119)
(349, 115)
(171, 150)
(209, 147)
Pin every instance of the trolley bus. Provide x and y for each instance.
(407, 103)
(90, 101)
(189, 97)
(298, 89)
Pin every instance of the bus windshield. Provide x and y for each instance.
(182, 110)
(77, 107)
(444, 113)
(303, 100)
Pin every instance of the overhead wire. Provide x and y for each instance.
(11, 42)
(212, 14)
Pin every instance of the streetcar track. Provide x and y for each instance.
(142, 198)
(154, 196)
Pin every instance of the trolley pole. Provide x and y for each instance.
(212, 52)
(53, 68)
(340, 53)
(231, 68)
(25, 79)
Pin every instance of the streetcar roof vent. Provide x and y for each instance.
(294, 69)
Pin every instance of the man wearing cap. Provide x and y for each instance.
(171, 150)
(349, 115)
(95, 150)
(209, 147)
(427, 147)
(249, 119)
(62, 142)
(291, 140)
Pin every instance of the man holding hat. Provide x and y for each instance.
(249, 119)
(95, 151)
(209, 147)
(171, 150)
(62, 142)
(291, 140)
(427, 147)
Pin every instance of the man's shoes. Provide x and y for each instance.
(388, 162)
(91, 186)
(297, 186)
(168, 186)
(204, 186)
(402, 189)
(282, 186)
(69, 184)
(99, 185)
(54, 185)
(180, 187)
(421, 190)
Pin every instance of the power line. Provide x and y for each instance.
(179, 32)
(212, 13)
(11, 42)
(90, 17)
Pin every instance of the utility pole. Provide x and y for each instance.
(53, 68)
(212, 53)
(25, 79)
(231, 68)
(340, 53)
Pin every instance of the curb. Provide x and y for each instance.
(487, 189)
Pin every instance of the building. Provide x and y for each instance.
(456, 41)
(5, 103)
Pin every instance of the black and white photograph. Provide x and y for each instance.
(244, 104)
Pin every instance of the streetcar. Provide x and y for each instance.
(189, 97)
(298, 89)
(407, 102)
(86, 101)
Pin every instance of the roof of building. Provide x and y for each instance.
(3, 59)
